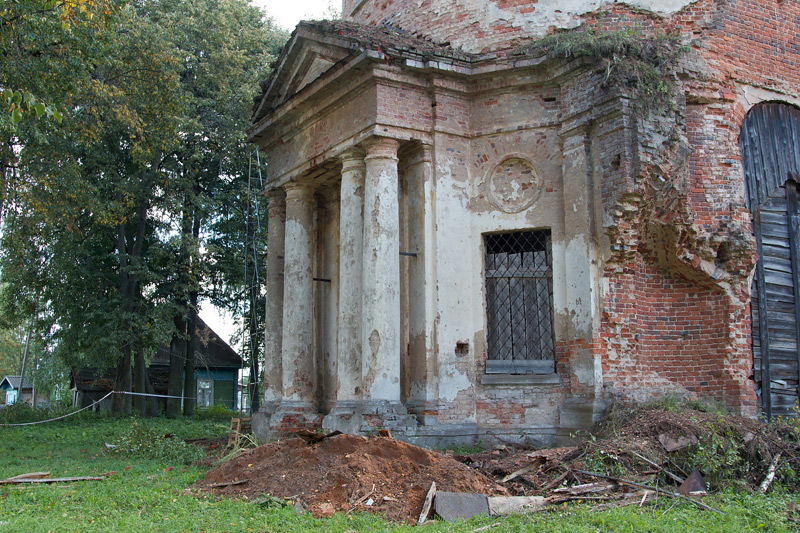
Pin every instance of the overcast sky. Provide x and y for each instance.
(287, 13)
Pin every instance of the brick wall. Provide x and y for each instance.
(682, 324)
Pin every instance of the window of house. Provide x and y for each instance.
(205, 392)
(519, 303)
(11, 397)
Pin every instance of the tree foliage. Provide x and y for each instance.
(106, 214)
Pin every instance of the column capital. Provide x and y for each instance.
(298, 191)
(275, 195)
(352, 158)
(381, 148)
(276, 201)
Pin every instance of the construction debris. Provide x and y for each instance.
(773, 468)
(458, 505)
(694, 485)
(426, 507)
(507, 505)
(313, 438)
(406, 483)
(347, 471)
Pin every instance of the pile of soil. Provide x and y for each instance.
(645, 445)
(343, 472)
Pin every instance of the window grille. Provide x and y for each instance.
(519, 302)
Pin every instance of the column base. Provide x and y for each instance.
(354, 416)
(290, 417)
(581, 413)
(344, 417)
(260, 421)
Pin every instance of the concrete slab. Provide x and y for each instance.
(459, 505)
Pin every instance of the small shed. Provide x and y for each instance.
(16, 391)
(216, 373)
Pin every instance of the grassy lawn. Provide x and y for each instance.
(155, 493)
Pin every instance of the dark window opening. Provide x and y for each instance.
(519, 303)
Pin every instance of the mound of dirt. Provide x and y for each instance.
(343, 472)
(633, 448)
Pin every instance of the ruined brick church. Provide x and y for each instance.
(475, 233)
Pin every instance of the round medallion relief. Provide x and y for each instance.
(514, 185)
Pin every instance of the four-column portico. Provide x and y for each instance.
(368, 323)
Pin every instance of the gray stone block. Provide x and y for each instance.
(460, 505)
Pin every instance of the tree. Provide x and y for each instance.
(106, 219)
(79, 234)
(226, 46)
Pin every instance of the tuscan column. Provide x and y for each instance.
(380, 326)
(351, 237)
(273, 380)
(297, 340)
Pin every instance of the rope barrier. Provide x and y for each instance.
(60, 417)
(95, 403)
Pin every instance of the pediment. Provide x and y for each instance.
(317, 61)
(307, 57)
(318, 47)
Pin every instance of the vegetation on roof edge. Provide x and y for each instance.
(641, 67)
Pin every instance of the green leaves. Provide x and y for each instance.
(21, 104)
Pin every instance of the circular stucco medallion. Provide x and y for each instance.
(514, 184)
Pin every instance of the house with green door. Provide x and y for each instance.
(217, 368)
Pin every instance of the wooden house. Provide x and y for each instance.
(16, 391)
(216, 373)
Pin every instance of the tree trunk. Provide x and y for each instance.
(130, 239)
(139, 378)
(153, 408)
(121, 403)
(177, 359)
(190, 386)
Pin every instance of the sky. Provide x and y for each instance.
(287, 13)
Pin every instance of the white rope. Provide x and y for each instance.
(95, 403)
(60, 417)
(154, 395)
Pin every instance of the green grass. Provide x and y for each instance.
(147, 495)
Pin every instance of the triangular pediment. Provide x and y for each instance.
(317, 48)
(308, 55)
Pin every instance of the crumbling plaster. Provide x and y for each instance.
(651, 239)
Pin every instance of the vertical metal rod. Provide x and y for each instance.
(22, 370)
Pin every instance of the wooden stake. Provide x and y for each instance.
(426, 507)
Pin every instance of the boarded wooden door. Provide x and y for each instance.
(770, 143)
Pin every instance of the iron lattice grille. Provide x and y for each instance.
(519, 294)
